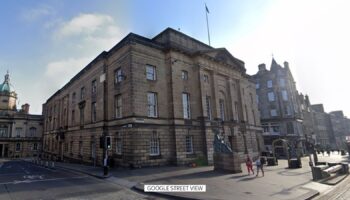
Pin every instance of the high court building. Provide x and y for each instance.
(161, 101)
(20, 132)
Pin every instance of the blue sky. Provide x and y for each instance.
(45, 43)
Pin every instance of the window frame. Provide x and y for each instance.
(93, 87)
(118, 75)
(119, 144)
(151, 75)
(118, 106)
(18, 147)
(184, 75)
(269, 84)
(154, 144)
(18, 132)
(284, 95)
(275, 111)
(152, 107)
(271, 96)
(93, 112)
(186, 105)
(189, 144)
(82, 115)
(35, 146)
(222, 109)
(82, 93)
(32, 132)
(208, 107)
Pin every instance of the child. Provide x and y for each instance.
(249, 164)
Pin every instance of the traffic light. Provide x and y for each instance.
(108, 142)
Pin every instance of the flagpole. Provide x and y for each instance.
(206, 14)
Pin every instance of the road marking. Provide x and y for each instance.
(33, 177)
(33, 181)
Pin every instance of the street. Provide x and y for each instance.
(22, 180)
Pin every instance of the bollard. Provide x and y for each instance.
(47, 164)
(53, 165)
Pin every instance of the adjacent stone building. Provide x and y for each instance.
(20, 132)
(279, 105)
(339, 129)
(308, 119)
(160, 100)
(322, 126)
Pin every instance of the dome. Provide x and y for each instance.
(6, 85)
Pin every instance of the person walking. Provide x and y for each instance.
(259, 165)
(249, 164)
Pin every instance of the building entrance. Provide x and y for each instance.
(1, 151)
(6, 151)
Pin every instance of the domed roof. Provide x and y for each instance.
(6, 85)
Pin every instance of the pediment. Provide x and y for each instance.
(222, 55)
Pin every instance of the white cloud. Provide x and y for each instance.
(88, 33)
(79, 40)
(86, 24)
(60, 72)
(37, 13)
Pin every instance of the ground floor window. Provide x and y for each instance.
(93, 150)
(18, 146)
(118, 144)
(80, 148)
(35, 146)
(154, 144)
(65, 147)
(189, 144)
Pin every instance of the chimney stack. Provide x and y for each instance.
(262, 67)
(286, 65)
(25, 108)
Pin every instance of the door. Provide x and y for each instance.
(1, 152)
(6, 151)
(60, 151)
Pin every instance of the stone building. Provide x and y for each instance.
(339, 129)
(160, 100)
(322, 126)
(308, 120)
(20, 132)
(279, 104)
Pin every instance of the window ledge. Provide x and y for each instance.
(154, 157)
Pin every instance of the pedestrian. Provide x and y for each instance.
(249, 164)
(259, 165)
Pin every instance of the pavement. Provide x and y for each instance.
(278, 183)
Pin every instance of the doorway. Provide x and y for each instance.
(1, 152)
(6, 151)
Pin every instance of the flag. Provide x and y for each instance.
(206, 8)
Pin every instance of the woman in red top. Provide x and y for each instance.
(249, 164)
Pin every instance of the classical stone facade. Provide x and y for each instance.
(20, 132)
(160, 100)
(279, 105)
